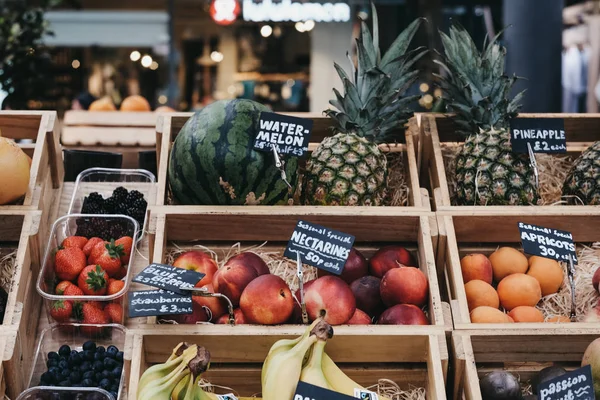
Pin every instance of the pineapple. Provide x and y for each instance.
(583, 182)
(477, 90)
(348, 168)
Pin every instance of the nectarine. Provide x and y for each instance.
(356, 267)
(405, 285)
(238, 317)
(359, 318)
(267, 300)
(367, 294)
(251, 259)
(216, 305)
(389, 257)
(331, 298)
(198, 261)
(403, 314)
(232, 280)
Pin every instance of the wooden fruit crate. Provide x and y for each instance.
(19, 234)
(522, 353)
(438, 131)
(4, 337)
(218, 229)
(169, 125)
(409, 358)
(465, 232)
(113, 131)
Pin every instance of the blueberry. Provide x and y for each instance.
(98, 366)
(87, 383)
(65, 373)
(85, 366)
(119, 356)
(65, 383)
(63, 364)
(114, 387)
(53, 355)
(114, 393)
(75, 359)
(100, 349)
(106, 374)
(112, 350)
(75, 376)
(117, 372)
(104, 384)
(64, 350)
(54, 371)
(89, 345)
(88, 375)
(46, 378)
(52, 363)
(98, 376)
(73, 352)
(99, 356)
(88, 355)
(109, 363)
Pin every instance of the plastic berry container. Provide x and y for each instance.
(105, 180)
(47, 280)
(73, 335)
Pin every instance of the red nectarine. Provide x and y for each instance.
(331, 298)
(267, 300)
(389, 257)
(405, 285)
(403, 314)
(198, 261)
(232, 280)
(356, 267)
(366, 293)
(251, 259)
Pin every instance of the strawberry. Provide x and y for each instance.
(74, 241)
(93, 280)
(93, 315)
(97, 250)
(87, 249)
(121, 274)
(114, 286)
(73, 290)
(68, 263)
(114, 313)
(61, 287)
(61, 310)
(108, 256)
(98, 304)
(127, 243)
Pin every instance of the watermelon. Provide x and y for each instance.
(213, 161)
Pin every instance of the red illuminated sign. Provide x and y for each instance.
(224, 12)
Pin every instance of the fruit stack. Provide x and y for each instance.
(508, 279)
(388, 289)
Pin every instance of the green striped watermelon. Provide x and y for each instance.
(213, 161)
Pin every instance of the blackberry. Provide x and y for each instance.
(120, 194)
(95, 197)
(133, 196)
(92, 208)
(110, 205)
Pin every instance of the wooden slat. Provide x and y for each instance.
(108, 136)
(110, 118)
(20, 124)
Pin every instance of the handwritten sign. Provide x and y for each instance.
(158, 302)
(574, 385)
(544, 135)
(168, 277)
(306, 391)
(320, 247)
(289, 135)
(547, 242)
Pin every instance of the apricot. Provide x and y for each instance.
(476, 266)
(489, 315)
(519, 290)
(480, 293)
(506, 261)
(559, 318)
(526, 314)
(547, 272)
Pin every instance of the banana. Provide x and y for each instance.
(338, 380)
(163, 381)
(283, 370)
(281, 346)
(313, 372)
(180, 390)
(159, 370)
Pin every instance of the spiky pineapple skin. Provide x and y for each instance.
(346, 170)
(489, 173)
(583, 181)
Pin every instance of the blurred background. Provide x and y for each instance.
(188, 53)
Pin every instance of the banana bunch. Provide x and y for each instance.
(304, 359)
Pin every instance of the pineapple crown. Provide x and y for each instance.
(372, 105)
(476, 87)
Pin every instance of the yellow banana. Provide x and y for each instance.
(160, 370)
(313, 372)
(197, 367)
(283, 345)
(338, 380)
(283, 370)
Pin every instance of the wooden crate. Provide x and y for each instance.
(408, 358)
(523, 353)
(169, 125)
(19, 231)
(468, 231)
(218, 229)
(440, 129)
(122, 132)
(4, 337)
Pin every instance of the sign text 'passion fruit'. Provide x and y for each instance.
(544, 135)
(547, 242)
(287, 10)
(289, 135)
(168, 277)
(574, 385)
(306, 391)
(320, 247)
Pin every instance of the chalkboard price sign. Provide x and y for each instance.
(544, 135)
(547, 242)
(574, 385)
(158, 302)
(168, 277)
(289, 135)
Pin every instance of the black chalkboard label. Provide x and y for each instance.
(168, 277)
(574, 385)
(158, 302)
(306, 391)
(320, 247)
(547, 242)
(289, 135)
(545, 135)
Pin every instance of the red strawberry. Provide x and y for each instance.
(93, 280)
(74, 241)
(127, 243)
(114, 313)
(108, 256)
(98, 304)
(87, 249)
(121, 274)
(114, 286)
(73, 290)
(68, 263)
(61, 310)
(61, 287)
(99, 248)
(93, 315)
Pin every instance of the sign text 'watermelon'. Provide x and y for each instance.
(320, 247)
(289, 135)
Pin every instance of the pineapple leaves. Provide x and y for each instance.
(341, 73)
(400, 45)
(376, 32)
